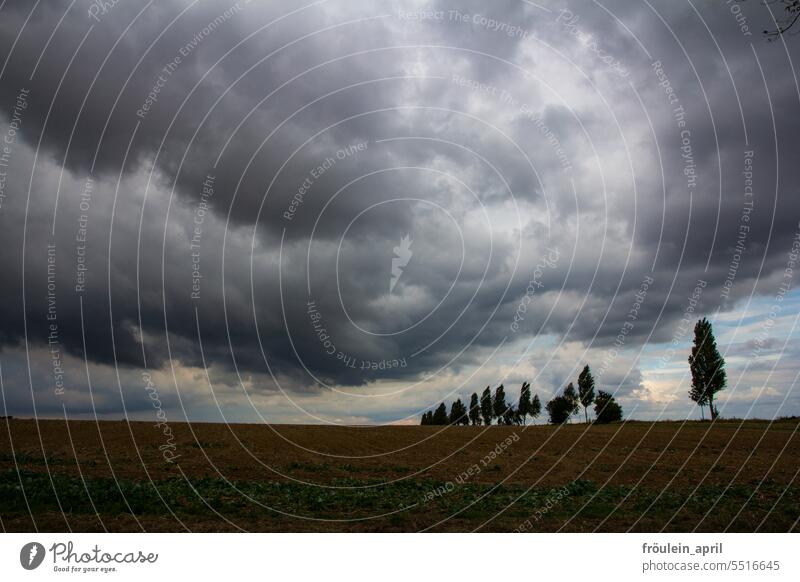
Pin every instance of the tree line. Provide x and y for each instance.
(491, 408)
(487, 409)
(705, 363)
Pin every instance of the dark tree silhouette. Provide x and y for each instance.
(572, 396)
(511, 416)
(606, 409)
(427, 418)
(487, 410)
(536, 407)
(440, 416)
(474, 410)
(524, 406)
(499, 404)
(586, 390)
(559, 409)
(458, 413)
(707, 366)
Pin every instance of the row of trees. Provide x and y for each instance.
(564, 406)
(708, 378)
(489, 408)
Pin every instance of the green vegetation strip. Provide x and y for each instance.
(478, 501)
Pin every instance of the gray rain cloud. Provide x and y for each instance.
(340, 195)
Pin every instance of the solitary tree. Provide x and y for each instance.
(524, 406)
(474, 410)
(458, 413)
(572, 397)
(586, 390)
(440, 416)
(487, 409)
(499, 404)
(606, 409)
(707, 366)
(536, 407)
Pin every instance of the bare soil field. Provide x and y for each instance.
(634, 476)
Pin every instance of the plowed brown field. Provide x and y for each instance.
(82, 475)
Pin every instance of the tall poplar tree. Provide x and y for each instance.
(572, 397)
(500, 405)
(474, 410)
(707, 366)
(440, 416)
(487, 411)
(524, 406)
(586, 390)
(536, 407)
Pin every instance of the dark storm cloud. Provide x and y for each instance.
(285, 112)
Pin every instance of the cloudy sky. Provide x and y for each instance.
(346, 212)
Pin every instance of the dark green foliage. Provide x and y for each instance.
(572, 397)
(586, 390)
(510, 417)
(707, 366)
(560, 409)
(193, 497)
(606, 409)
(474, 410)
(499, 406)
(524, 406)
(536, 407)
(440, 416)
(487, 407)
(458, 413)
(487, 410)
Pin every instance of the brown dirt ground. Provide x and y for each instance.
(653, 455)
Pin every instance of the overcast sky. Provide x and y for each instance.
(346, 212)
